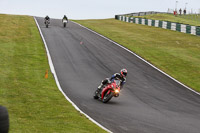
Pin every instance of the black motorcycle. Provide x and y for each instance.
(47, 22)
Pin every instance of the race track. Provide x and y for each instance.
(150, 102)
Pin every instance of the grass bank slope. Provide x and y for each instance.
(175, 53)
(185, 19)
(34, 103)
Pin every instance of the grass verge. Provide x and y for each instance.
(175, 53)
(33, 102)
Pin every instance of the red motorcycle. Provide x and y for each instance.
(108, 91)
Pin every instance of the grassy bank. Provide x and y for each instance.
(34, 103)
(173, 52)
(185, 19)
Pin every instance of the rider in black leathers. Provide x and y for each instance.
(46, 18)
(65, 18)
(122, 76)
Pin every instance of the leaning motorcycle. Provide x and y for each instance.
(65, 22)
(47, 22)
(108, 91)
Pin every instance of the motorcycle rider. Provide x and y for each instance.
(122, 76)
(65, 18)
(46, 18)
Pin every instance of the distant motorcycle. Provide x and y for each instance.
(65, 22)
(108, 91)
(47, 22)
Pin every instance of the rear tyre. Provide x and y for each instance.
(107, 97)
(64, 24)
(4, 120)
(96, 94)
(47, 25)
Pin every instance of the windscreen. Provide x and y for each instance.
(118, 82)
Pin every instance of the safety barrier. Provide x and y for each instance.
(184, 28)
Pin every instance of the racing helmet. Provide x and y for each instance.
(123, 72)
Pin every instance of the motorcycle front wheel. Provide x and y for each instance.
(107, 97)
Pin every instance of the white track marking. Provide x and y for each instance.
(58, 84)
(139, 58)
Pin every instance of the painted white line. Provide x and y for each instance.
(58, 84)
(139, 58)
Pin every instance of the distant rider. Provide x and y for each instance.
(122, 76)
(46, 18)
(65, 18)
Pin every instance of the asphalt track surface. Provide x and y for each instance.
(150, 102)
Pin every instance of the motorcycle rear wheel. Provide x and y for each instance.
(96, 94)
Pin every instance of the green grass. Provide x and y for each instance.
(185, 19)
(34, 103)
(175, 53)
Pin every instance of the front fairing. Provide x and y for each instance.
(112, 87)
(65, 21)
